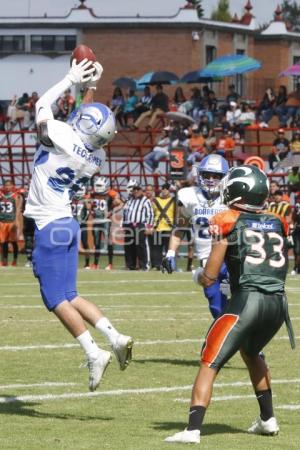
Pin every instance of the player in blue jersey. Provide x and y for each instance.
(69, 155)
(196, 205)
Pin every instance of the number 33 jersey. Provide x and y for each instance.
(59, 171)
(256, 256)
(196, 207)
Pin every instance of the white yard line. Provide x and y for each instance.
(288, 407)
(34, 385)
(15, 348)
(119, 392)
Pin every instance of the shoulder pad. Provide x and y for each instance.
(222, 223)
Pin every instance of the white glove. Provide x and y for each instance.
(225, 288)
(81, 72)
(92, 83)
(196, 274)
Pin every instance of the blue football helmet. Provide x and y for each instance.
(211, 165)
(95, 124)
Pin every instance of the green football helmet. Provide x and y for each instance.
(246, 187)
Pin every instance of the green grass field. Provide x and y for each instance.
(44, 397)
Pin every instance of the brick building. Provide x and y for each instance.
(131, 46)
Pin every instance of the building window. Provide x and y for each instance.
(210, 53)
(52, 43)
(296, 79)
(12, 44)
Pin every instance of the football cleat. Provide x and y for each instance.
(94, 266)
(123, 350)
(87, 267)
(185, 437)
(97, 367)
(268, 427)
(109, 267)
(14, 263)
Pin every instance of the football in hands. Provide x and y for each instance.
(81, 52)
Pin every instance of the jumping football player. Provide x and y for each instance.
(253, 244)
(196, 205)
(69, 155)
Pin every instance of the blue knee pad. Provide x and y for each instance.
(216, 300)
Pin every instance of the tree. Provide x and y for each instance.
(198, 5)
(291, 13)
(222, 12)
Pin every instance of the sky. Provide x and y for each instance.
(263, 9)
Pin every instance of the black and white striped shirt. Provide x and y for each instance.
(138, 211)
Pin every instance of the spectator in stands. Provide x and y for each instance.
(207, 131)
(246, 118)
(128, 108)
(225, 144)
(280, 149)
(160, 150)
(194, 104)
(232, 95)
(18, 109)
(31, 105)
(117, 102)
(3, 118)
(164, 218)
(295, 143)
(294, 180)
(65, 105)
(289, 111)
(233, 115)
(211, 106)
(195, 144)
(159, 106)
(267, 103)
(280, 206)
(277, 108)
(144, 104)
(79, 97)
(274, 186)
(179, 97)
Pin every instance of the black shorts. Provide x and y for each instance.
(249, 322)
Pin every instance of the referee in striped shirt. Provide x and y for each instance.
(137, 224)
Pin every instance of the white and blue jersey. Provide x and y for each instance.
(199, 209)
(59, 171)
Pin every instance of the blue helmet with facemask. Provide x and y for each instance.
(94, 123)
(209, 166)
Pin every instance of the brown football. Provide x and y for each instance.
(81, 52)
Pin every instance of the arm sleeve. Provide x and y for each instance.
(43, 105)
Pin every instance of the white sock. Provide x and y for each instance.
(88, 345)
(107, 329)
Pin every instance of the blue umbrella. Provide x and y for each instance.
(159, 78)
(125, 83)
(195, 77)
(228, 65)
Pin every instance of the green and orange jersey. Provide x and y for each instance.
(256, 256)
(8, 206)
